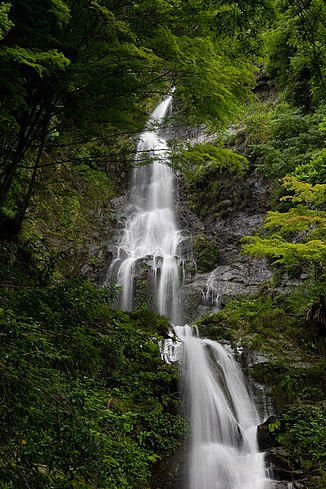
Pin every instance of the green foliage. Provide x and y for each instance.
(283, 138)
(28, 262)
(94, 405)
(257, 124)
(303, 192)
(213, 326)
(42, 62)
(315, 171)
(143, 298)
(241, 26)
(60, 90)
(207, 157)
(296, 47)
(206, 253)
(267, 322)
(296, 239)
(291, 383)
(5, 22)
(145, 319)
(212, 179)
(214, 84)
(303, 433)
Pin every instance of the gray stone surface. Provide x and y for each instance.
(226, 281)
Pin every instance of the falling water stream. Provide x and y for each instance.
(151, 232)
(223, 418)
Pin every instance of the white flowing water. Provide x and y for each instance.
(151, 233)
(223, 418)
(211, 296)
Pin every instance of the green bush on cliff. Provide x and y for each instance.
(206, 253)
(213, 177)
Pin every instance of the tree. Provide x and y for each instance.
(297, 50)
(76, 71)
(296, 240)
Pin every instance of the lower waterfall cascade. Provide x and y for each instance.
(223, 418)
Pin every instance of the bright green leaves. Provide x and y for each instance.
(114, 27)
(303, 433)
(296, 237)
(44, 63)
(297, 50)
(5, 23)
(61, 12)
(314, 171)
(83, 70)
(210, 87)
(212, 174)
(312, 253)
(204, 158)
(303, 192)
(298, 218)
(241, 26)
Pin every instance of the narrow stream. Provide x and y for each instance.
(223, 418)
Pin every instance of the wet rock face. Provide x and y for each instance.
(230, 219)
(285, 485)
(281, 464)
(265, 438)
(207, 292)
(169, 473)
(235, 273)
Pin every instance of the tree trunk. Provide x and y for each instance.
(29, 194)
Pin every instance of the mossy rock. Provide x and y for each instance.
(206, 253)
(147, 320)
(292, 382)
(213, 327)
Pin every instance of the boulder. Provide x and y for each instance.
(265, 437)
(282, 465)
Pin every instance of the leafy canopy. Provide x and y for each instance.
(296, 237)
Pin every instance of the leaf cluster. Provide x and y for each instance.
(283, 139)
(213, 180)
(303, 433)
(296, 239)
(86, 400)
(206, 253)
(73, 73)
(296, 51)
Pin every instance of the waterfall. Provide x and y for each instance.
(151, 237)
(222, 416)
(211, 297)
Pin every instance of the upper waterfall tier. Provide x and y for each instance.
(151, 233)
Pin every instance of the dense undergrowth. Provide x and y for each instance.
(86, 400)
